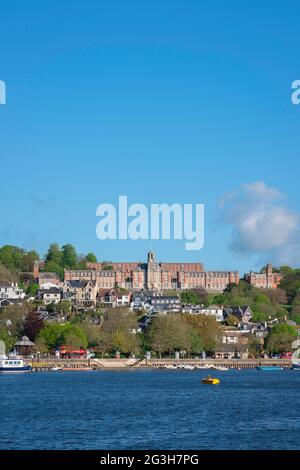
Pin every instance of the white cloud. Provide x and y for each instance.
(261, 223)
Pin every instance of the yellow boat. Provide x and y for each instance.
(210, 380)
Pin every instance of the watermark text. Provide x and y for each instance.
(159, 221)
(2, 92)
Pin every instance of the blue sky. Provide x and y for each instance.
(168, 101)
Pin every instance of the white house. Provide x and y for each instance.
(10, 290)
(212, 310)
(50, 296)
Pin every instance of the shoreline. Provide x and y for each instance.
(71, 365)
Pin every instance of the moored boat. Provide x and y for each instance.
(269, 368)
(13, 365)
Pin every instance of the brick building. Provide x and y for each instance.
(264, 280)
(154, 275)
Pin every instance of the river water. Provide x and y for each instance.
(150, 409)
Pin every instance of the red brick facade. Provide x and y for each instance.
(265, 280)
(153, 275)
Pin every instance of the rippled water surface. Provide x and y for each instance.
(149, 409)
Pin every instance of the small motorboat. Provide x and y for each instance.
(55, 369)
(210, 380)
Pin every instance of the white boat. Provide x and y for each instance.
(220, 368)
(13, 365)
(56, 368)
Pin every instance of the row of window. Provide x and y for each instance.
(11, 363)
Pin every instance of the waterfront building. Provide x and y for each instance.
(68, 352)
(233, 344)
(154, 275)
(24, 347)
(264, 280)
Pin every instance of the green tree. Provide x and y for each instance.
(261, 299)
(160, 335)
(52, 267)
(208, 330)
(91, 258)
(280, 338)
(190, 297)
(255, 346)
(99, 339)
(69, 257)
(28, 260)
(170, 333)
(32, 289)
(291, 283)
(64, 306)
(13, 317)
(7, 275)
(52, 334)
(11, 257)
(55, 335)
(54, 254)
(8, 339)
(231, 320)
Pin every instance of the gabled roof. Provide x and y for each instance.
(78, 283)
(119, 292)
(5, 284)
(11, 301)
(237, 311)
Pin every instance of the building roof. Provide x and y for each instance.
(78, 283)
(237, 311)
(17, 301)
(51, 290)
(46, 275)
(5, 284)
(24, 341)
(166, 297)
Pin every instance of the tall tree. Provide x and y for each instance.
(91, 258)
(280, 338)
(32, 325)
(69, 257)
(52, 267)
(28, 260)
(54, 254)
(11, 257)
